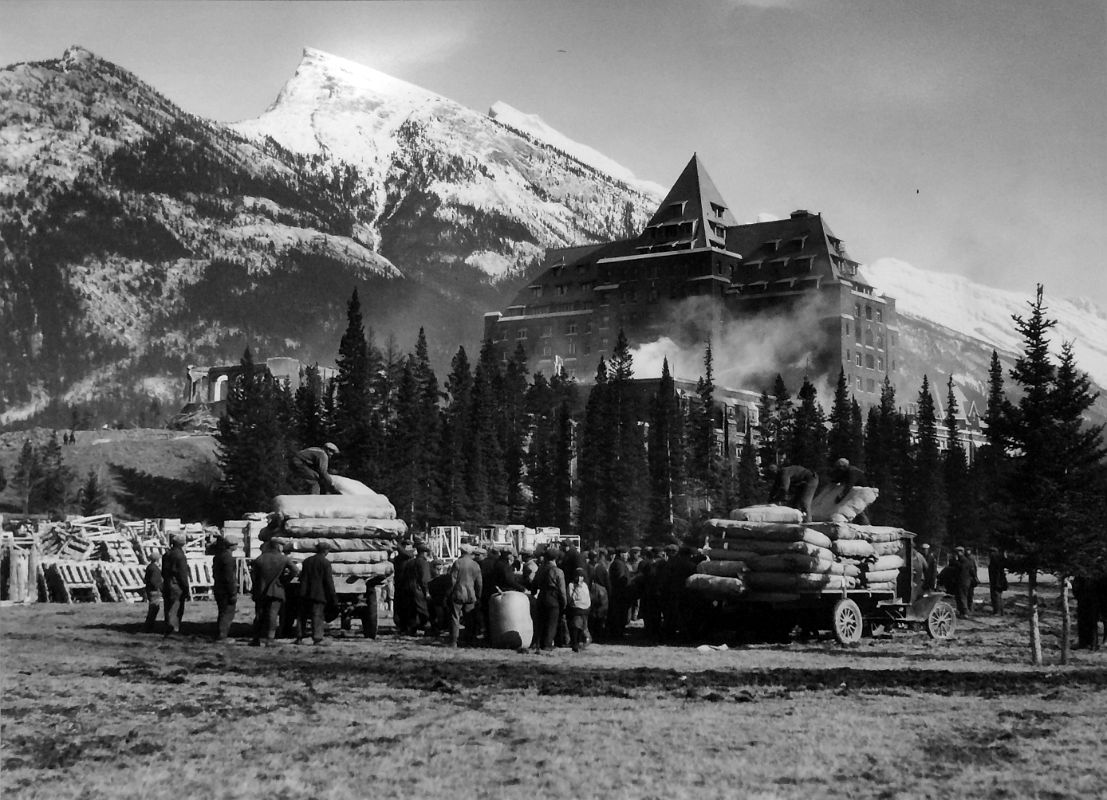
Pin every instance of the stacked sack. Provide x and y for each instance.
(825, 506)
(877, 551)
(361, 529)
(781, 556)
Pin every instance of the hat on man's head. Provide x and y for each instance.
(672, 548)
(323, 546)
(178, 538)
(331, 447)
(959, 549)
(842, 463)
(466, 548)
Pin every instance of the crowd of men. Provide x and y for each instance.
(575, 597)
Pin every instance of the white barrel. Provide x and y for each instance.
(509, 623)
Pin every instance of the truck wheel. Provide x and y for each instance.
(848, 621)
(941, 622)
(369, 615)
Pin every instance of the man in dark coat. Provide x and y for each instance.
(601, 571)
(679, 569)
(174, 589)
(502, 578)
(487, 564)
(268, 591)
(619, 598)
(402, 600)
(152, 582)
(930, 573)
(413, 586)
(466, 587)
(793, 486)
(966, 579)
(1087, 591)
(997, 580)
(848, 476)
(316, 594)
(224, 573)
(551, 601)
(309, 469)
(573, 560)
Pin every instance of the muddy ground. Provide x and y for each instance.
(92, 707)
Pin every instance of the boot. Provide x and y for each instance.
(455, 632)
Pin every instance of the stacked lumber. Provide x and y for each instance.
(782, 558)
(360, 526)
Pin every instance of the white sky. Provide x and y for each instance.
(968, 137)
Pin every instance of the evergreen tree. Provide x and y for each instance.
(887, 446)
(840, 442)
(665, 455)
(91, 496)
(809, 440)
(704, 465)
(355, 423)
(52, 490)
(251, 441)
(992, 466)
(562, 478)
(310, 427)
(456, 425)
(926, 499)
(751, 487)
(487, 485)
(857, 436)
(403, 453)
(514, 425)
(961, 523)
(597, 443)
(784, 417)
(627, 489)
(428, 438)
(3, 479)
(28, 476)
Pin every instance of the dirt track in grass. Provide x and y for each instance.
(92, 707)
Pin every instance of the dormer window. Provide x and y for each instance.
(717, 210)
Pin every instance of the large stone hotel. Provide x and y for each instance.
(693, 271)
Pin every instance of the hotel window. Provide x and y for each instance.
(880, 364)
(536, 291)
(869, 362)
(857, 331)
(868, 312)
(588, 326)
(586, 348)
(572, 347)
(857, 310)
(868, 338)
(858, 357)
(547, 331)
(571, 328)
(521, 334)
(879, 315)
(870, 385)
(547, 350)
(562, 289)
(847, 328)
(880, 340)
(895, 340)
(859, 384)
(604, 344)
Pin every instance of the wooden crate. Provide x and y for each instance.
(118, 550)
(201, 583)
(126, 583)
(74, 580)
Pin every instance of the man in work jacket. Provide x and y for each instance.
(268, 591)
(224, 586)
(466, 585)
(174, 589)
(309, 469)
(316, 594)
(793, 486)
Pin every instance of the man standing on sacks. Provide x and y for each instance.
(316, 594)
(309, 469)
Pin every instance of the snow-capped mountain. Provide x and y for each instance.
(137, 238)
(476, 168)
(984, 313)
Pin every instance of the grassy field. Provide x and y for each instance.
(92, 708)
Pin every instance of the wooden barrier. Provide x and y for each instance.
(126, 583)
(72, 578)
(201, 583)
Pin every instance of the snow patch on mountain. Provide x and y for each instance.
(983, 312)
(534, 126)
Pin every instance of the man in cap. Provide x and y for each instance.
(464, 595)
(268, 591)
(677, 571)
(487, 564)
(174, 573)
(503, 578)
(848, 476)
(618, 603)
(997, 580)
(224, 573)
(316, 594)
(965, 575)
(309, 469)
(930, 575)
(152, 581)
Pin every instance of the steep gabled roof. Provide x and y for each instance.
(693, 214)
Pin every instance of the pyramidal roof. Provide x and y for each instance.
(693, 214)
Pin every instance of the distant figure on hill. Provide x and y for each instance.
(174, 590)
(309, 469)
(793, 486)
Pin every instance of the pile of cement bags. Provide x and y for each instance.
(875, 550)
(825, 506)
(360, 527)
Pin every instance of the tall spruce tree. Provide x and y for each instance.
(251, 441)
(52, 491)
(992, 465)
(840, 437)
(402, 480)
(887, 439)
(428, 438)
(28, 475)
(356, 423)
(626, 498)
(926, 498)
(751, 487)
(856, 453)
(961, 521)
(310, 424)
(562, 477)
(91, 497)
(487, 486)
(456, 426)
(704, 467)
(809, 441)
(665, 451)
(597, 442)
(514, 424)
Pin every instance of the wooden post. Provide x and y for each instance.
(1066, 620)
(1035, 630)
